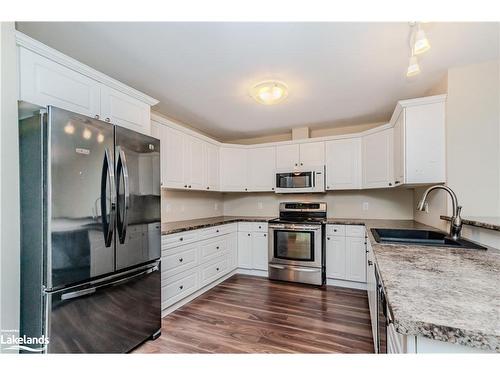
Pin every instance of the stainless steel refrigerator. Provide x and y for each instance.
(91, 234)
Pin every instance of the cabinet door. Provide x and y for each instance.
(356, 259)
(336, 257)
(399, 149)
(287, 156)
(159, 131)
(343, 164)
(233, 169)
(245, 250)
(120, 109)
(259, 251)
(371, 290)
(377, 159)
(211, 180)
(174, 155)
(262, 168)
(312, 154)
(194, 162)
(45, 82)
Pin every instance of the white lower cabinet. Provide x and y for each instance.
(253, 246)
(177, 287)
(345, 253)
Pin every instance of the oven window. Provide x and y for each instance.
(294, 180)
(294, 245)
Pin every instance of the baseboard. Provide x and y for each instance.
(346, 284)
(244, 271)
(198, 293)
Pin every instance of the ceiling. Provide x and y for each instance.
(338, 74)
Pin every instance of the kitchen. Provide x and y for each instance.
(290, 215)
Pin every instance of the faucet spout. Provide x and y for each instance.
(456, 220)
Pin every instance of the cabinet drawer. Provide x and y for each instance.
(213, 249)
(173, 240)
(184, 258)
(217, 231)
(212, 271)
(259, 227)
(177, 287)
(355, 230)
(335, 230)
(245, 227)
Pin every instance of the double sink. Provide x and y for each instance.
(421, 237)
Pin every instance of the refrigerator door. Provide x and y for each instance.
(81, 198)
(138, 221)
(113, 316)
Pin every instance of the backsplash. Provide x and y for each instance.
(185, 205)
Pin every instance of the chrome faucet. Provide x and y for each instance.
(456, 220)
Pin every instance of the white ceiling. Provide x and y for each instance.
(338, 73)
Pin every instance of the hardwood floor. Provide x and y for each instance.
(247, 314)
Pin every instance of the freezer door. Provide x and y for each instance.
(138, 219)
(80, 198)
(113, 317)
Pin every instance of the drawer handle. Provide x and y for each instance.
(181, 260)
(181, 287)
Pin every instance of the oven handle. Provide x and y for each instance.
(280, 267)
(294, 228)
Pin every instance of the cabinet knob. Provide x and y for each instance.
(217, 269)
(265, 235)
(216, 231)
(296, 165)
(335, 230)
(397, 182)
(328, 187)
(217, 248)
(328, 238)
(301, 163)
(189, 186)
(185, 186)
(181, 239)
(96, 117)
(272, 188)
(181, 287)
(107, 119)
(208, 187)
(260, 227)
(390, 183)
(246, 189)
(370, 263)
(248, 234)
(181, 260)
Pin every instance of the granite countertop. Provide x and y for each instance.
(487, 222)
(440, 293)
(185, 225)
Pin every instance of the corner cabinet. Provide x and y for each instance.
(377, 154)
(261, 168)
(419, 141)
(343, 164)
(233, 169)
(48, 77)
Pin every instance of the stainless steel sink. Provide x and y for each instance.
(421, 237)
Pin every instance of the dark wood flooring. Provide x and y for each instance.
(247, 314)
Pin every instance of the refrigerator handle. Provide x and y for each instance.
(108, 177)
(122, 168)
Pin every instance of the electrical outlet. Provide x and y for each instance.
(259, 205)
(366, 206)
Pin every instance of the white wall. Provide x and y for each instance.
(9, 183)
(382, 203)
(186, 205)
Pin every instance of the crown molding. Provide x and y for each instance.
(34, 45)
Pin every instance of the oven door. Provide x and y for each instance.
(295, 244)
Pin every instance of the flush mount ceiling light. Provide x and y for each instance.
(269, 92)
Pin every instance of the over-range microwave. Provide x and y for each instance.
(303, 180)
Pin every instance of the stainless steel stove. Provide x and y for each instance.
(297, 243)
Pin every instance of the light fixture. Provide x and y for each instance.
(413, 67)
(100, 138)
(421, 44)
(87, 134)
(269, 92)
(69, 128)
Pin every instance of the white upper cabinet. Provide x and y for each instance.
(44, 82)
(211, 166)
(194, 163)
(123, 110)
(174, 158)
(48, 77)
(261, 168)
(287, 156)
(233, 169)
(312, 154)
(419, 140)
(343, 164)
(159, 131)
(378, 159)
